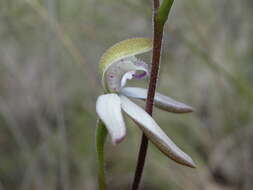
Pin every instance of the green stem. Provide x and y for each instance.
(164, 11)
(101, 134)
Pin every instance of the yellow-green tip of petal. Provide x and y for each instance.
(123, 49)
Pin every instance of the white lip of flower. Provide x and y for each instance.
(116, 69)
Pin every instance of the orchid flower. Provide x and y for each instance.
(117, 65)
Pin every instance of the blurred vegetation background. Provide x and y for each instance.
(49, 54)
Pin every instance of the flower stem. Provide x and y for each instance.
(101, 134)
(160, 16)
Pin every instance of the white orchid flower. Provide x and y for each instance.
(117, 65)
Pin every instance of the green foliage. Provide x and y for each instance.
(101, 134)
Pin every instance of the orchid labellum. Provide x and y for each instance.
(117, 65)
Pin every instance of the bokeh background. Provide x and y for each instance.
(49, 82)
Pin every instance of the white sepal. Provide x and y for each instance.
(161, 101)
(109, 111)
(154, 132)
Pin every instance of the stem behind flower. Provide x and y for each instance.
(160, 17)
(101, 134)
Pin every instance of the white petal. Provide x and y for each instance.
(109, 111)
(161, 101)
(154, 132)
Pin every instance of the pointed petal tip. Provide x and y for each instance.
(154, 133)
(187, 161)
(184, 160)
(179, 108)
(188, 109)
(181, 158)
(191, 164)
